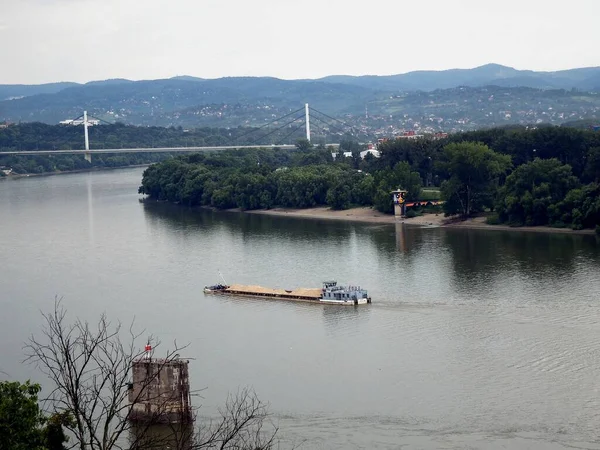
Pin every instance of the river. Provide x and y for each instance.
(474, 339)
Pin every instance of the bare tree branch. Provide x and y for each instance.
(90, 367)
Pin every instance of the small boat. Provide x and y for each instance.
(330, 293)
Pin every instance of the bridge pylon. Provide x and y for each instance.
(307, 120)
(87, 155)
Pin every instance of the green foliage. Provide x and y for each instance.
(339, 195)
(303, 145)
(592, 167)
(539, 193)
(493, 219)
(21, 421)
(473, 173)
(233, 180)
(430, 195)
(544, 188)
(54, 432)
(410, 213)
(37, 136)
(387, 180)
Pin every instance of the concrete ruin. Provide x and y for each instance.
(160, 391)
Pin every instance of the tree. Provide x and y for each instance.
(473, 171)
(54, 432)
(339, 195)
(89, 366)
(533, 192)
(303, 145)
(21, 420)
(592, 168)
(401, 176)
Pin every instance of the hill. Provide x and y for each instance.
(9, 91)
(490, 74)
(449, 100)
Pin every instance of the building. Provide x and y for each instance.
(411, 134)
(362, 154)
(371, 151)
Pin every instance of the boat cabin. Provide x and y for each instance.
(331, 291)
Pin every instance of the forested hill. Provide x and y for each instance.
(585, 79)
(452, 100)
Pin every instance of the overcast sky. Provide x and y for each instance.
(83, 40)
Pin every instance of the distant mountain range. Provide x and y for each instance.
(585, 79)
(236, 101)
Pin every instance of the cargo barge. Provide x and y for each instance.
(330, 293)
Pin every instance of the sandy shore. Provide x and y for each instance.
(370, 215)
(479, 223)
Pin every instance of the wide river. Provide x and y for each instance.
(474, 339)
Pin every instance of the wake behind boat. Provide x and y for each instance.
(330, 293)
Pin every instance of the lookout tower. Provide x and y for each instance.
(160, 391)
(399, 199)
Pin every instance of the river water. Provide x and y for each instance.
(475, 339)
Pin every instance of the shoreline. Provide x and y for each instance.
(370, 215)
(67, 172)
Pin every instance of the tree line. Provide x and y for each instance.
(523, 176)
(39, 136)
(267, 178)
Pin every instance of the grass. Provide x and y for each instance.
(429, 194)
(493, 219)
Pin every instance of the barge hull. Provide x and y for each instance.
(298, 295)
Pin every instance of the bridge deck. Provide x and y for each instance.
(146, 150)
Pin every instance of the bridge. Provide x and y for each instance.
(148, 150)
(87, 152)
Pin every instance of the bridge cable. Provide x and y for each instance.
(257, 141)
(351, 132)
(331, 126)
(329, 117)
(280, 128)
(266, 125)
(293, 131)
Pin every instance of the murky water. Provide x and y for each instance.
(474, 339)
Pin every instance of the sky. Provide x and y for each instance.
(83, 40)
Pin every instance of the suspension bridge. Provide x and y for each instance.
(293, 121)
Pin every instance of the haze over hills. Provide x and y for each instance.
(488, 95)
(587, 78)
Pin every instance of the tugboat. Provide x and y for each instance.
(332, 293)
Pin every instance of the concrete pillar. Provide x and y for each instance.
(160, 391)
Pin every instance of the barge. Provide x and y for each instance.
(330, 293)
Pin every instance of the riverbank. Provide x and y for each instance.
(66, 172)
(370, 215)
